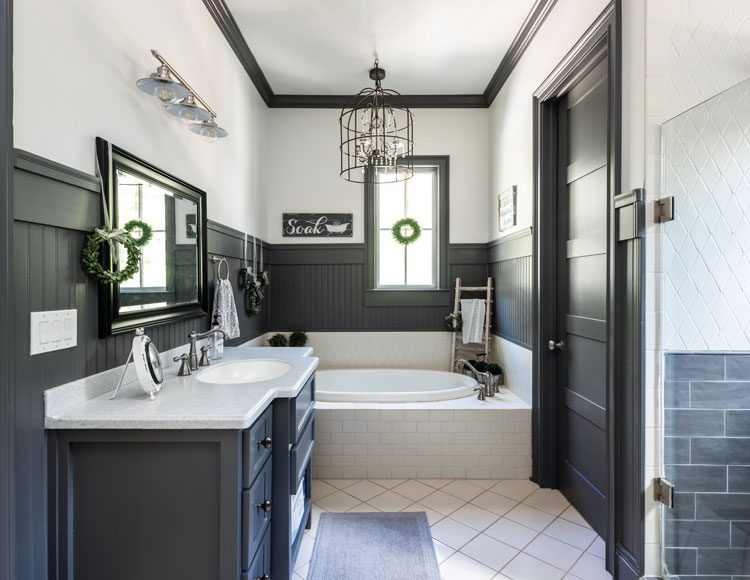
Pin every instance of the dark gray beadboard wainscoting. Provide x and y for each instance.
(510, 265)
(321, 287)
(55, 208)
(707, 458)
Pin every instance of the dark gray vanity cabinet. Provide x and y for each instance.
(193, 504)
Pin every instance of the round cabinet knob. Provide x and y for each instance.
(552, 345)
(265, 442)
(264, 577)
(265, 506)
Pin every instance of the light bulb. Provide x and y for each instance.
(163, 93)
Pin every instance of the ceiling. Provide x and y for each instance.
(428, 47)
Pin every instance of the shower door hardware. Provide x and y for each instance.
(552, 345)
(663, 491)
(664, 209)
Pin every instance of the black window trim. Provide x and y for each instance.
(439, 296)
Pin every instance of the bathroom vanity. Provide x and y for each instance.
(198, 484)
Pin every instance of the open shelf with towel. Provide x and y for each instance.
(478, 323)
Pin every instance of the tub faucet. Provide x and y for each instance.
(195, 335)
(484, 390)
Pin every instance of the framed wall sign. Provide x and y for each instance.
(506, 209)
(316, 225)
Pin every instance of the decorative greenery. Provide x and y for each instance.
(454, 322)
(91, 259)
(298, 338)
(480, 365)
(400, 225)
(494, 369)
(278, 339)
(146, 232)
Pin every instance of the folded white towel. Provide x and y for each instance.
(226, 309)
(472, 313)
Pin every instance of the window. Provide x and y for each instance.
(416, 273)
(413, 265)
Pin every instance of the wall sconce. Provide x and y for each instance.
(179, 99)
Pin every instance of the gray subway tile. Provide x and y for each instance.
(676, 450)
(704, 577)
(738, 423)
(739, 479)
(698, 478)
(720, 451)
(684, 507)
(694, 367)
(723, 561)
(720, 395)
(693, 422)
(676, 394)
(741, 535)
(697, 534)
(722, 506)
(738, 367)
(681, 560)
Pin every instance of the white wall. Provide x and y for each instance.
(75, 67)
(511, 114)
(303, 171)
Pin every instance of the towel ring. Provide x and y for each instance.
(219, 261)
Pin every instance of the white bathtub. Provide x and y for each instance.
(391, 385)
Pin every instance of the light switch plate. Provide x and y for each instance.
(53, 330)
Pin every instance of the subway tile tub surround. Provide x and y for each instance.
(473, 439)
(707, 457)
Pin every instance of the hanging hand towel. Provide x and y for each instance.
(224, 306)
(472, 312)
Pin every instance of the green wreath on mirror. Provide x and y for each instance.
(402, 224)
(91, 254)
(146, 232)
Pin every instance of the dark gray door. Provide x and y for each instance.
(582, 296)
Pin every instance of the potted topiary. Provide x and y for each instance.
(298, 338)
(278, 339)
(496, 374)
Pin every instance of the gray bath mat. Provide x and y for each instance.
(374, 546)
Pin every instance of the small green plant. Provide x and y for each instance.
(480, 365)
(298, 338)
(278, 339)
(494, 369)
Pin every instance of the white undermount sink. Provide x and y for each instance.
(244, 371)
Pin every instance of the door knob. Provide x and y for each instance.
(552, 345)
(265, 506)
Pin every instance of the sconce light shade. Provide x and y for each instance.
(187, 111)
(209, 130)
(161, 86)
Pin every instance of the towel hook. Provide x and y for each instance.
(219, 261)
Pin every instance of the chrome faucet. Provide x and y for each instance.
(485, 389)
(194, 336)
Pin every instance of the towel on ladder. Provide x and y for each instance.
(225, 308)
(472, 313)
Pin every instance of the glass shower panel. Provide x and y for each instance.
(705, 328)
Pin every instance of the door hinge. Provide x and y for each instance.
(663, 491)
(664, 209)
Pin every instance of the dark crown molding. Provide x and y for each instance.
(521, 42)
(228, 26)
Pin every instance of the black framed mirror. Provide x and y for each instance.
(171, 282)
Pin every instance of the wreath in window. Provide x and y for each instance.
(406, 231)
(91, 255)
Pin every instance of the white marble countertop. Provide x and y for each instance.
(183, 402)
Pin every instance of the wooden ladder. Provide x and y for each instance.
(481, 349)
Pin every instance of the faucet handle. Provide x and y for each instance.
(205, 361)
(185, 366)
(481, 394)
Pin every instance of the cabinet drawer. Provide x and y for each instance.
(301, 452)
(260, 568)
(256, 514)
(301, 407)
(256, 446)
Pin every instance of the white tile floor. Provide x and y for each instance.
(482, 529)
